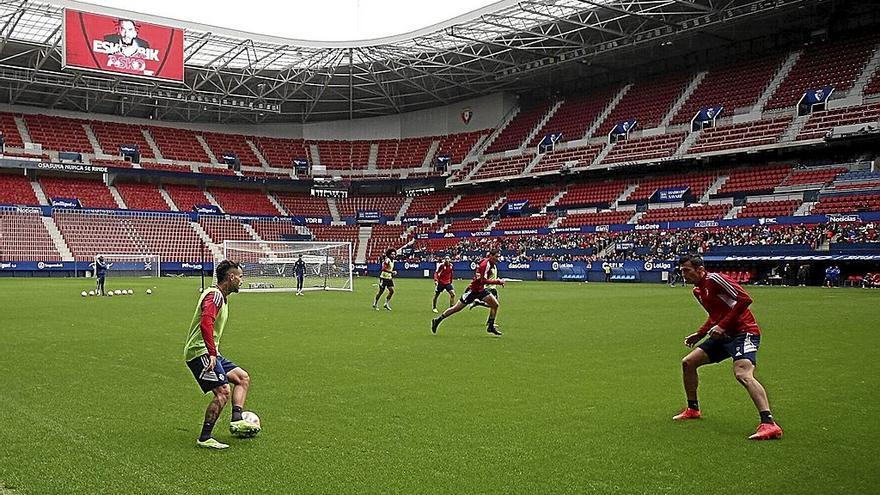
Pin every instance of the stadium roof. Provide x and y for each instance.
(238, 76)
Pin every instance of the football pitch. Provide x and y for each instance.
(576, 397)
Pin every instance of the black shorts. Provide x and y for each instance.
(494, 292)
(470, 296)
(386, 283)
(742, 346)
(441, 287)
(209, 379)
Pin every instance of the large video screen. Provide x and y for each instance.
(122, 46)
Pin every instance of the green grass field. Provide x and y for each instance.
(575, 398)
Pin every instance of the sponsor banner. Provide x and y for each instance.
(369, 216)
(207, 209)
(122, 46)
(77, 168)
(624, 127)
(415, 219)
(65, 203)
(670, 195)
(708, 114)
(815, 96)
(803, 257)
(550, 139)
(516, 206)
(36, 266)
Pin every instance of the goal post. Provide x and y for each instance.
(130, 265)
(268, 266)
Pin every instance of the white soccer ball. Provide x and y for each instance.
(149, 291)
(251, 418)
(83, 293)
(109, 293)
(117, 292)
(130, 292)
(91, 293)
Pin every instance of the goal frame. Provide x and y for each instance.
(307, 246)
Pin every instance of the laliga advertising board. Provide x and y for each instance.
(122, 46)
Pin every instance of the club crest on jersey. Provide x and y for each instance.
(466, 115)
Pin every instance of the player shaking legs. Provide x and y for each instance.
(733, 333)
(443, 282)
(386, 279)
(477, 291)
(212, 371)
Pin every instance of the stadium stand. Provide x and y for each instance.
(518, 129)
(600, 218)
(823, 121)
(769, 209)
(186, 198)
(404, 153)
(11, 136)
(574, 116)
(701, 212)
(142, 197)
(553, 161)
(112, 135)
(513, 223)
(503, 167)
(90, 193)
(16, 190)
(179, 144)
(388, 206)
(384, 237)
(592, 194)
(58, 133)
(457, 146)
(224, 143)
(647, 102)
(697, 182)
(280, 152)
(754, 180)
(344, 155)
(473, 204)
(644, 148)
(470, 225)
(848, 203)
(303, 204)
(745, 135)
(244, 201)
(815, 176)
(428, 205)
(23, 237)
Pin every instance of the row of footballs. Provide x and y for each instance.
(117, 292)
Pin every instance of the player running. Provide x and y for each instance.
(211, 370)
(477, 291)
(299, 269)
(386, 279)
(443, 282)
(733, 333)
(492, 288)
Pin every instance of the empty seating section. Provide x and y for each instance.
(872, 88)
(302, 204)
(23, 237)
(471, 225)
(745, 135)
(578, 157)
(58, 133)
(733, 87)
(835, 64)
(165, 234)
(847, 203)
(112, 135)
(812, 176)
(600, 218)
(224, 143)
(592, 194)
(388, 206)
(753, 180)
(457, 146)
(769, 209)
(515, 223)
(118, 163)
(90, 193)
(179, 144)
(344, 155)
(474, 204)
(281, 152)
(16, 190)
(142, 196)
(575, 115)
(276, 229)
(428, 205)
(221, 229)
(245, 201)
(698, 183)
(646, 148)
(822, 122)
(518, 129)
(702, 212)
(537, 198)
(344, 233)
(405, 153)
(184, 169)
(186, 197)
(11, 136)
(859, 179)
(216, 170)
(503, 167)
(647, 102)
(384, 237)
(438, 245)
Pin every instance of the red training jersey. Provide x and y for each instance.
(443, 274)
(727, 304)
(481, 277)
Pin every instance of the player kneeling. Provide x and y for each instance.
(477, 291)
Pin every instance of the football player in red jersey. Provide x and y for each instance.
(443, 282)
(477, 291)
(733, 333)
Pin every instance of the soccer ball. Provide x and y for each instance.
(251, 418)
(109, 293)
(149, 291)
(91, 293)
(117, 292)
(130, 292)
(83, 293)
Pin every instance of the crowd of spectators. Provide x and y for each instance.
(646, 244)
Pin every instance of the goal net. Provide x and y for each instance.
(130, 265)
(268, 266)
